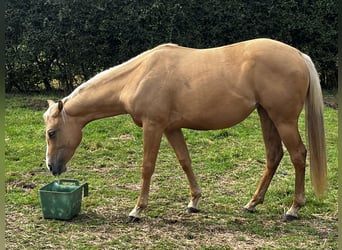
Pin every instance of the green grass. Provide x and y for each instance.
(228, 164)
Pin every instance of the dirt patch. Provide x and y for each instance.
(331, 102)
(38, 105)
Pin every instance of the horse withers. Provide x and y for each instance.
(171, 87)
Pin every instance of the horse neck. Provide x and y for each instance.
(98, 98)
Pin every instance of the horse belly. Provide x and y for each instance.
(213, 113)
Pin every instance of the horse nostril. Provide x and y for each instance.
(50, 167)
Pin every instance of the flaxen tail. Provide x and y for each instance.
(315, 130)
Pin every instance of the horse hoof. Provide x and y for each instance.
(246, 210)
(289, 217)
(132, 219)
(192, 210)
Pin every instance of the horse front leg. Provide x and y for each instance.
(177, 141)
(152, 134)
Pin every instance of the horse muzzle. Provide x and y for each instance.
(56, 170)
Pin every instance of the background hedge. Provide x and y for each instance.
(58, 44)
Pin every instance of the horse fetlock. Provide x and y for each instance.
(193, 204)
(249, 209)
(135, 213)
(196, 197)
(292, 213)
(256, 200)
(299, 202)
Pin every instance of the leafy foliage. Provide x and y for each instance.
(59, 44)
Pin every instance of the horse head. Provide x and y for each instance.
(63, 135)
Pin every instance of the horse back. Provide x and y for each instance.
(217, 87)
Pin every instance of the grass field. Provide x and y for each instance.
(228, 164)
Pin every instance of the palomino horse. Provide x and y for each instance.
(170, 87)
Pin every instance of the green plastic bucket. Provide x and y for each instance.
(62, 199)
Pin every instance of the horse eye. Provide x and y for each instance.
(51, 133)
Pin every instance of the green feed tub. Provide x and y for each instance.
(62, 199)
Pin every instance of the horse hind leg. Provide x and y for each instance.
(274, 154)
(293, 142)
(177, 141)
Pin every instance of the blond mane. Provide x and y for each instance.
(95, 79)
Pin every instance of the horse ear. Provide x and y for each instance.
(60, 106)
(55, 112)
(50, 102)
